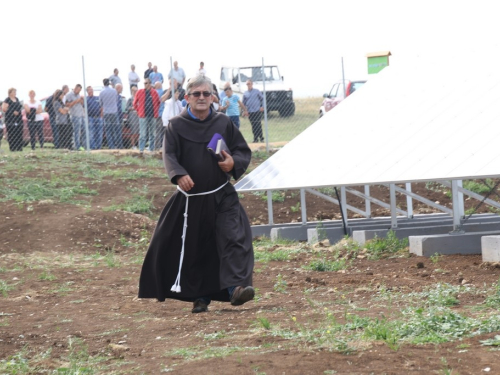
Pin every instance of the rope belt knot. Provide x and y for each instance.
(177, 285)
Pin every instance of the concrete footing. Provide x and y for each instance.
(361, 236)
(490, 248)
(428, 234)
(445, 244)
(334, 235)
(297, 233)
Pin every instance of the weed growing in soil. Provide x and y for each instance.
(5, 288)
(493, 300)
(434, 258)
(46, 275)
(477, 186)
(324, 265)
(280, 285)
(491, 342)
(264, 322)
(375, 249)
(138, 204)
(213, 336)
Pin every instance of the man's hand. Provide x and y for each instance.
(228, 163)
(185, 183)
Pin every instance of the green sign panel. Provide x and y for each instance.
(377, 63)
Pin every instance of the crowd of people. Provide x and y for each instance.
(147, 112)
(214, 259)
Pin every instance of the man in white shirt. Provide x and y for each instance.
(202, 71)
(133, 78)
(178, 74)
(173, 107)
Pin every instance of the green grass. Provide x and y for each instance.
(377, 248)
(264, 322)
(26, 190)
(5, 287)
(138, 204)
(323, 265)
(77, 360)
(286, 128)
(46, 276)
(478, 186)
(279, 250)
(280, 255)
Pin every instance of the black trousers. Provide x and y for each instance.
(255, 120)
(15, 136)
(65, 136)
(35, 128)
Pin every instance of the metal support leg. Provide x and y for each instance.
(368, 204)
(394, 217)
(457, 225)
(343, 200)
(270, 207)
(409, 201)
(303, 206)
(461, 208)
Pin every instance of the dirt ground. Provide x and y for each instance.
(70, 281)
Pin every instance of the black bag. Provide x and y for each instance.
(31, 115)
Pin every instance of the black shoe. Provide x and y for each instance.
(199, 306)
(255, 141)
(241, 295)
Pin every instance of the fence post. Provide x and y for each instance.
(87, 132)
(265, 107)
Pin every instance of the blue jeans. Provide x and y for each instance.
(147, 131)
(95, 132)
(207, 300)
(113, 130)
(235, 120)
(79, 135)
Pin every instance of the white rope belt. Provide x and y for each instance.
(177, 285)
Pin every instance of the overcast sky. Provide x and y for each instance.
(43, 41)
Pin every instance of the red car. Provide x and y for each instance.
(336, 94)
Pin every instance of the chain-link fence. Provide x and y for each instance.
(111, 114)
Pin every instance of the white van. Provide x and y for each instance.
(278, 97)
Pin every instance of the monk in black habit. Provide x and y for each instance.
(201, 249)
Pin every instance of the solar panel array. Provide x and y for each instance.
(429, 120)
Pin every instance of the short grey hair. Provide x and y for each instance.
(199, 81)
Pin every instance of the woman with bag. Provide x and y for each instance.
(13, 120)
(34, 115)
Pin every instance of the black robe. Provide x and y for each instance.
(218, 246)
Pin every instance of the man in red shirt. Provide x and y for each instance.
(147, 105)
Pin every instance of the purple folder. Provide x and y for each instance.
(216, 146)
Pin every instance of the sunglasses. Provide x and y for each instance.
(197, 94)
(229, 88)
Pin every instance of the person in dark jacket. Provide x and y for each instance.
(62, 120)
(52, 118)
(202, 251)
(94, 114)
(13, 120)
